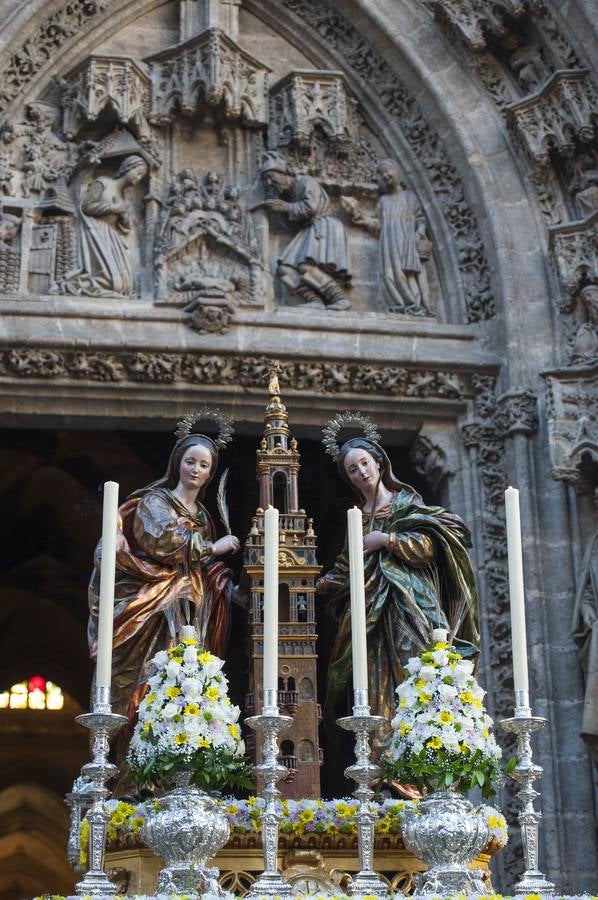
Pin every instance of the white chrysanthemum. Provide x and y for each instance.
(160, 659)
(414, 665)
(427, 673)
(440, 657)
(173, 669)
(191, 687)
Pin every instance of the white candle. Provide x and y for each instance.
(270, 603)
(107, 574)
(358, 632)
(517, 599)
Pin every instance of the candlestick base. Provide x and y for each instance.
(523, 725)
(270, 883)
(101, 722)
(363, 772)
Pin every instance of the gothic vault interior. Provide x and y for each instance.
(396, 199)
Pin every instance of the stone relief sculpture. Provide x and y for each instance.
(401, 227)
(207, 251)
(529, 67)
(583, 185)
(315, 265)
(585, 634)
(585, 346)
(105, 219)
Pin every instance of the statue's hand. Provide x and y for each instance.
(227, 544)
(277, 205)
(375, 540)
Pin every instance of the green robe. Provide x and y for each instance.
(408, 592)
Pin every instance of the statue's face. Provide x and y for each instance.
(362, 469)
(195, 467)
(387, 177)
(136, 175)
(278, 180)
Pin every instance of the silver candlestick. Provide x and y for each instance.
(367, 881)
(102, 722)
(270, 883)
(523, 725)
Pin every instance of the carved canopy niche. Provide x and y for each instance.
(118, 84)
(305, 100)
(210, 68)
(472, 19)
(572, 413)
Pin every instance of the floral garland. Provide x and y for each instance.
(187, 723)
(441, 733)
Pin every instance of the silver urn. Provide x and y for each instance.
(186, 830)
(446, 833)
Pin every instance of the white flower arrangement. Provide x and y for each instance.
(186, 721)
(442, 735)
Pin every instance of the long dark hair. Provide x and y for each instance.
(387, 476)
(170, 479)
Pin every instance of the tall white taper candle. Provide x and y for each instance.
(358, 632)
(107, 574)
(516, 591)
(270, 602)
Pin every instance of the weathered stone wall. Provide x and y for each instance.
(131, 288)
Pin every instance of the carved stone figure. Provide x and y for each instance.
(316, 263)
(583, 186)
(529, 67)
(585, 634)
(9, 228)
(401, 226)
(106, 266)
(585, 347)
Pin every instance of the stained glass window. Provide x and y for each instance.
(36, 693)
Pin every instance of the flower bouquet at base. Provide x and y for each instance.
(186, 723)
(442, 736)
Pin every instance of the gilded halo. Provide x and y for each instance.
(207, 413)
(343, 420)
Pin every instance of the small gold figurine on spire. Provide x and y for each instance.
(273, 385)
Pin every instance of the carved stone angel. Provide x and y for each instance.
(401, 226)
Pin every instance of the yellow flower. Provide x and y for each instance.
(404, 728)
(189, 642)
(307, 815)
(233, 809)
(136, 823)
(343, 809)
(434, 743)
(441, 645)
(150, 698)
(206, 657)
(181, 738)
(420, 684)
(532, 897)
(251, 801)
(446, 717)
(403, 703)
(203, 742)
(118, 818)
(233, 731)
(383, 825)
(485, 732)
(495, 822)
(424, 698)
(173, 692)
(211, 693)
(147, 728)
(477, 703)
(192, 709)
(466, 697)
(463, 747)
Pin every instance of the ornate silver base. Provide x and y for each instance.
(446, 834)
(523, 725)
(270, 883)
(363, 772)
(102, 722)
(186, 831)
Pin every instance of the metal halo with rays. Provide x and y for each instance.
(343, 420)
(207, 413)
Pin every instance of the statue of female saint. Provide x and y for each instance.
(105, 258)
(418, 575)
(315, 265)
(169, 569)
(401, 226)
